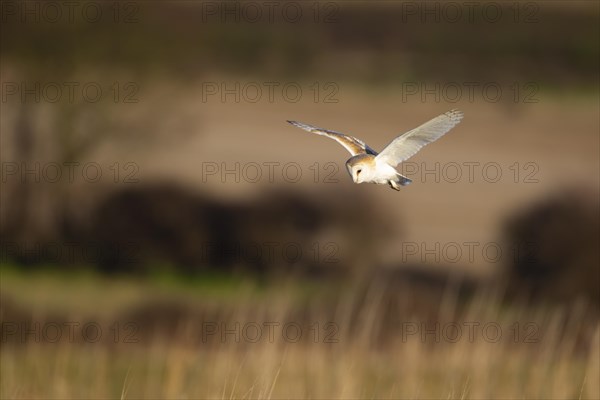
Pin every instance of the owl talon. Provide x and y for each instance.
(394, 185)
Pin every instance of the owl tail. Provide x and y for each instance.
(400, 180)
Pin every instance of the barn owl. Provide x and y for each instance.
(366, 165)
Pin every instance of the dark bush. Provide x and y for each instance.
(554, 244)
(141, 228)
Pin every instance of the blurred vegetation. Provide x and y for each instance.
(162, 349)
(378, 42)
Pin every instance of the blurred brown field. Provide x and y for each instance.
(167, 234)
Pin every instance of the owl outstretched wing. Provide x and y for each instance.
(353, 145)
(408, 144)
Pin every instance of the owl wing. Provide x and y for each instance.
(353, 145)
(408, 144)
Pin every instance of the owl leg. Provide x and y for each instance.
(394, 185)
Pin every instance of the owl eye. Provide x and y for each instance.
(358, 172)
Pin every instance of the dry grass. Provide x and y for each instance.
(371, 356)
(169, 370)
